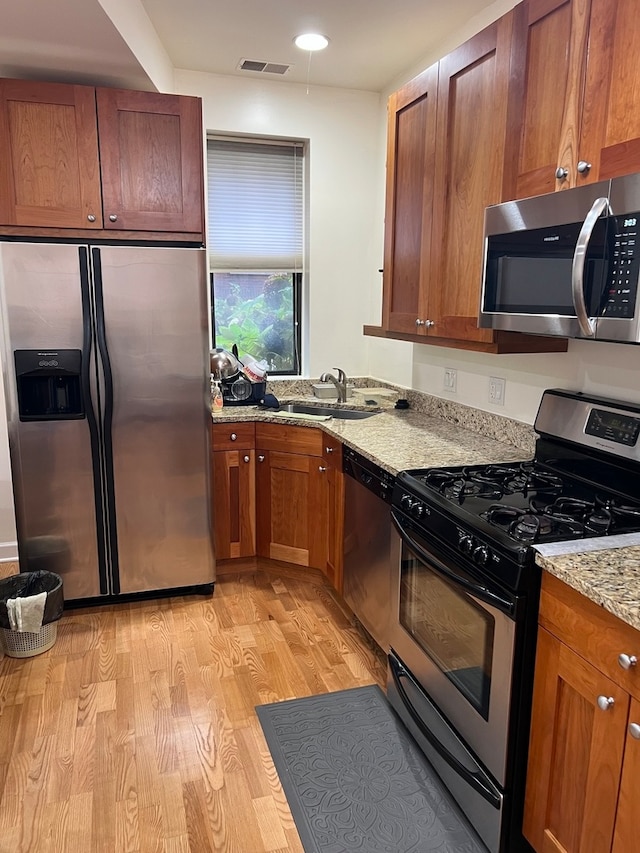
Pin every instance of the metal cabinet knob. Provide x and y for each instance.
(247, 459)
(113, 217)
(605, 702)
(419, 322)
(561, 173)
(627, 661)
(429, 323)
(91, 217)
(233, 436)
(260, 458)
(583, 167)
(321, 468)
(329, 449)
(634, 731)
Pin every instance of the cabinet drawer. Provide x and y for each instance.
(290, 439)
(332, 452)
(591, 631)
(233, 436)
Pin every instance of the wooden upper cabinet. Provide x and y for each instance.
(74, 158)
(411, 136)
(469, 173)
(49, 168)
(551, 39)
(610, 132)
(576, 93)
(151, 160)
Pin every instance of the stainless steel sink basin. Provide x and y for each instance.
(330, 411)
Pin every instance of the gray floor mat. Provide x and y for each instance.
(356, 781)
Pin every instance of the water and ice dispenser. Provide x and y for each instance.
(49, 384)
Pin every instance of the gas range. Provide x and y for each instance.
(583, 483)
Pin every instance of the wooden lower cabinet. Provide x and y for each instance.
(584, 754)
(233, 468)
(278, 494)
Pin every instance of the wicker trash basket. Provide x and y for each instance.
(25, 644)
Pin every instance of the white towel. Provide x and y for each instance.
(25, 614)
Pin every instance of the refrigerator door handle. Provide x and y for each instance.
(92, 421)
(107, 441)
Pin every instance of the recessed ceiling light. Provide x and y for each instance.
(311, 41)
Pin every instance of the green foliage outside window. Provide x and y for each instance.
(256, 312)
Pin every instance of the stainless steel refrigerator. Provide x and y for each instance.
(106, 362)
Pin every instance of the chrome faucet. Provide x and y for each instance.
(340, 383)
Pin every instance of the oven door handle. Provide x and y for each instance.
(476, 780)
(505, 605)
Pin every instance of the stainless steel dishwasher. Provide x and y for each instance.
(367, 540)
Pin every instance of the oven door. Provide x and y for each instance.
(456, 635)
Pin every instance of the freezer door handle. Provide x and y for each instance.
(85, 381)
(103, 355)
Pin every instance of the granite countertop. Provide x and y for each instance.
(608, 576)
(436, 432)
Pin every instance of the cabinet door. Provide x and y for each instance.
(470, 164)
(234, 503)
(292, 523)
(626, 834)
(575, 753)
(151, 159)
(334, 496)
(551, 40)
(49, 168)
(411, 140)
(610, 134)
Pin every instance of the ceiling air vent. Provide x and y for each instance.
(263, 67)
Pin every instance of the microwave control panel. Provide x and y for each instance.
(622, 287)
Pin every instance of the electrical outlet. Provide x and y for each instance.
(450, 379)
(496, 390)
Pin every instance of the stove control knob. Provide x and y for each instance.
(405, 502)
(465, 544)
(417, 510)
(481, 555)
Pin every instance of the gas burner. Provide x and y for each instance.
(460, 489)
(529, 477)
(534, 524)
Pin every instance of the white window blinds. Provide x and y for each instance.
(255, 199)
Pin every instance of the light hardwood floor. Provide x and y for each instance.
(137, 733)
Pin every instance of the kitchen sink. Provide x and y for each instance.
(327, 411)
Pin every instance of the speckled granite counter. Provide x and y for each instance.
(396, 440)
(608, 576)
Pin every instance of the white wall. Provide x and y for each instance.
(345, 250)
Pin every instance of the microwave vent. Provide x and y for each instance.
(263, 67)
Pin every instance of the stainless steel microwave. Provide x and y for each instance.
(565, 264)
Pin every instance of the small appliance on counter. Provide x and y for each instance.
(228, 372)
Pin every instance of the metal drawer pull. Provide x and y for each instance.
(321, 468)
(561, 173)
(113, 217)
(247, 459)
(329, 449)
(627, 661)
(605, 702)
(234, 437)
(634, 731)
(91, 217)
(260, 458)
(583, 167)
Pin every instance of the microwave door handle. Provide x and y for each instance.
(587, 325)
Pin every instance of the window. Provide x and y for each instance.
(255, 237)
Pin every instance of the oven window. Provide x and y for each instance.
(455, 631)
